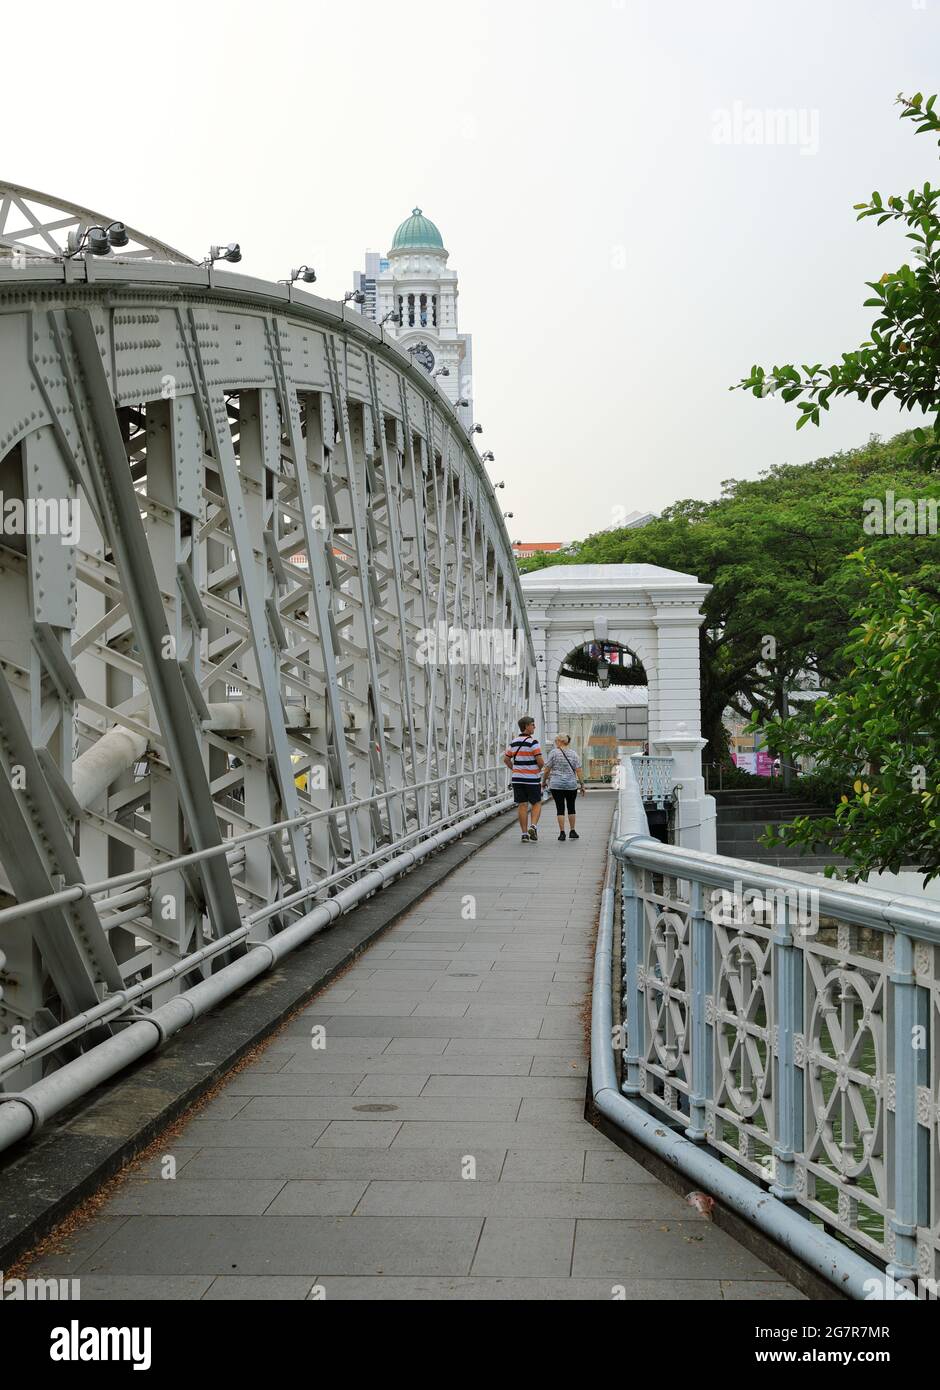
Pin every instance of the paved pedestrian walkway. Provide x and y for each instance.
(434, 1145)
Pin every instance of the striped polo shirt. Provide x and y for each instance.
(524, 752)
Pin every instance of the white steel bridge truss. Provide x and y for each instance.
(274, 509)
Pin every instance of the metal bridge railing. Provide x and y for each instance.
(230, 847)
(780, 1032)
(22, 1113)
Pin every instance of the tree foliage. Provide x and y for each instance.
(877, 735)
(774, 550)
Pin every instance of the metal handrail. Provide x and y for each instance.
(114, 1005)
(75, 892)
(22, 1114)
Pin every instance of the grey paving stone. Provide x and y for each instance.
(403, 1064)
(674, 1249)
(223, 1107)
(408, 955)
(536, 1200)
(551, 1108)
(381, 1084)
(154, 1167)
(512, 975)
(524, 1026)
(492, 1289)
(319, 1197)
(481, 1046)
(407, 962)
(511, 1087)
(246, 1134)
(415, 1134)
(534, 995)
(442, 1006)
(759, 1290)
(452, 939)
(561, 1028)
(560, 1066)
(525, 1246)
(358, 1134)
(69, 1253)
(416, 1046)
(271, 1060)
(144, 1288)
(538, 1165)
(314, 1246)
(390, 1005)
(335, 994)
(220, 1197)
(443, 1165)
(609, 1165)
(273, 1288)
(313, 1083)
(398, 981)
(566, 994)
(397, 1108)
(348, 1045)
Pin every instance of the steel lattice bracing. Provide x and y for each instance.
(34, 224)
(277, 517)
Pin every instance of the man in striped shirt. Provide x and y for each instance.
(523, 757)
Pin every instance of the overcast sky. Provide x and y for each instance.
(624, 255)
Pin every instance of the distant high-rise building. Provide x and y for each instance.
(414, 282)
(365, 281)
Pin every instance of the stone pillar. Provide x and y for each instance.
(695, 811)
(677, 731)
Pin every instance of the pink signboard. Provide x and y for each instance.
(760, 763)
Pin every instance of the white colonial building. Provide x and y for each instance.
(414, 281)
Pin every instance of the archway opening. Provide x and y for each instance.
(603, 705)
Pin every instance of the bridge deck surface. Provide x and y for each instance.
(454, 1038)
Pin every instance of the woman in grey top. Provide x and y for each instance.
(562, 775)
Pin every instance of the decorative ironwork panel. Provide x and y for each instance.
(814, 1041)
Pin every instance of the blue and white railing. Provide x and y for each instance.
(780, 1044)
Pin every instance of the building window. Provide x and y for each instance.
(434, 310)
(424, 311)
(411, 311)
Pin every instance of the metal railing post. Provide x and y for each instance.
(631, 954)
(905, 1146)
(701, 988)
(787, 965)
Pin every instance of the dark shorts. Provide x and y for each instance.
(524, 792)
(564, 801)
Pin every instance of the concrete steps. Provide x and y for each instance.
(744, 816)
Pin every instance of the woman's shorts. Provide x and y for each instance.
(564, 800)
(524, 792)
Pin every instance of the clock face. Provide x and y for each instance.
(425, 357)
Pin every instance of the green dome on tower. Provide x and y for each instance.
(417, 231)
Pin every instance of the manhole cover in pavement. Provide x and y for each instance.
(375, 1109)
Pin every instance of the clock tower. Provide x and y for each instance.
(422, 291)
